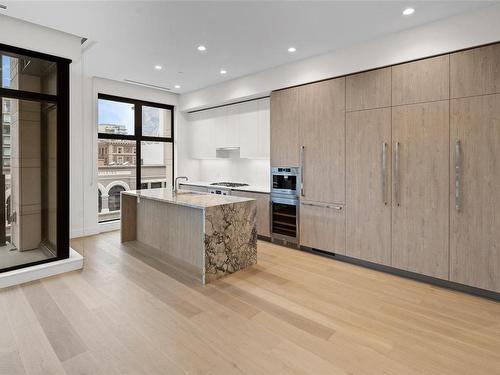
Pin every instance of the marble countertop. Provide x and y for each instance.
(251, 188)
(186, 197)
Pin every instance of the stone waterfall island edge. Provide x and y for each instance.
(206, 235)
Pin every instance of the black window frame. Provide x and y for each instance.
(61, 99)
(138, 137)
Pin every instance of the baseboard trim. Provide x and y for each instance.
(109, 226)
(24, 275)
(407, 274)
(263, 238)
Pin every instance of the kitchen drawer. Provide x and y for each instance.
(322, 226)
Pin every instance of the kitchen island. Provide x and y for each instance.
(206, 235)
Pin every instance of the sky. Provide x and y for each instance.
(111, 112)
(5, 71)
(117, 113)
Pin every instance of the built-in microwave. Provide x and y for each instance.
(285, 180)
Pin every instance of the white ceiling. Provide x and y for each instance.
(130, 37)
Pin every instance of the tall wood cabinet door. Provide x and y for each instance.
(421, 81)
(475, 72)
(368, 90)
(322, 226)
(475, 211)
(322, 136)
(420, 214)
(368, 181)
(285, 128)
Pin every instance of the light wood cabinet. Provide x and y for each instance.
(421, 81)
(368, 90)
(343, 126)
(322, 136)
(475, 72)
(475, 223)
(285, 128)
(263, 209)
(368, 181)
(322, 226)
(420, 204)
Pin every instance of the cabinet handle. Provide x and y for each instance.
(396, 174)
(334, 207)
(458, 175)
(302, 151)
(384, 172)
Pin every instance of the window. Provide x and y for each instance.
(130, 131)
(114, 198)
(99, 200)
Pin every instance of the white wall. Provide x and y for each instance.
(462, 31)
(37, 38)
(84, 199)
(83, 112)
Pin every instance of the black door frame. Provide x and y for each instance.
(61, 99)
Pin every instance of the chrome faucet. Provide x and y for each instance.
(176, 187)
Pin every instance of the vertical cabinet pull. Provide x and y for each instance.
(302, 192)
(384, 173)
(458, 175)
(396, 174)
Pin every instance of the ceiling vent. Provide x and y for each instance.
(148, 85)
(3, 6)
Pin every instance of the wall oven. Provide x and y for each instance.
(285, 180)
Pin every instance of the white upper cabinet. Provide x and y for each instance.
(227, 133)
(202, 135)
(244, 125)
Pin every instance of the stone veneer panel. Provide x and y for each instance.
(230, 239)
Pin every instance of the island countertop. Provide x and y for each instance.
(186, 197)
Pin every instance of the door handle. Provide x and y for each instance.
(384, 172)
(335, 207)
(458, 175)
(396, 174)
(302, 152)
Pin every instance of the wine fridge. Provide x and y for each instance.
(284, 219)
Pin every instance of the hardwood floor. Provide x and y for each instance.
(293, 313)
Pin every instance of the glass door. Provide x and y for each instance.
(34, 196)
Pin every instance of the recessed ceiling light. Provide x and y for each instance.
(408, 11)
(158, 67)
(177, 86)
(222, 71)
(202, 48)
(292, 49)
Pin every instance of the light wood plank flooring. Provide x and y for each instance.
(293, 313)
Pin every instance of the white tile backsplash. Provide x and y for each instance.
(251, 171)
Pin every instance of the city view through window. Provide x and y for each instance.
(134, 150)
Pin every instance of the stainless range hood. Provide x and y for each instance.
(227, 152)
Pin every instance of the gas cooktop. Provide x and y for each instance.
(229, 184)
